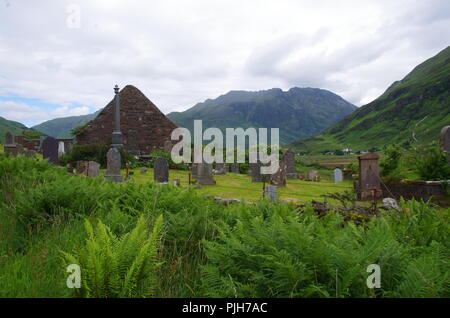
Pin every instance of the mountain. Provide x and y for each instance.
(13, 127)
(298, 113)
(411, 110)
(61, 127)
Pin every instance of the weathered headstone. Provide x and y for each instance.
(9, 139)
(176, 182)
(205, 174)
(289, 158)
(235, 167)
(221, 168)
(144, 170)
(255, 172)
(168, 146)
(50, 150)
(445, 139)
(312, 175)
(369, 186)
(279, 178)
(161, 170)
(93, 169)
(271, 192)
(113, 165)
(19, 140)
(61, 149)
(338, 175)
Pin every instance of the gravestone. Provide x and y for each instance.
(289, 158)
(161, 170)
(205, 174)
(176, 183)
(337, 175)
(194, 171)
(279, 178)
(369, 186)
(168, 146)
(221, 168)
(255, 172)
(113, 165)
(19, 140)
(61, 149)
(50, 150)
(312, 175)
(93, 169)
(144, 170)
(235, 167)
(271, 192)
(9, 139)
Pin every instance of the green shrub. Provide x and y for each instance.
(118, 267)
(391, 160)
(431, 164)
(93, 152)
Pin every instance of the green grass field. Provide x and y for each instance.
(239, 186)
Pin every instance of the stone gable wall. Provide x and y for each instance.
(143, 125)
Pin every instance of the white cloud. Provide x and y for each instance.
(180, 52)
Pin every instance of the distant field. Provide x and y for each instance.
(238, 186)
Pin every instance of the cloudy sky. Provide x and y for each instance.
(62, 58)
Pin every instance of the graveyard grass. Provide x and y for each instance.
(199, 248)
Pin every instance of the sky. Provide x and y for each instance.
(63, 58)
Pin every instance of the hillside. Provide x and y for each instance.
(13, 127)
(411, 110)
(299, 112)
(61, 127)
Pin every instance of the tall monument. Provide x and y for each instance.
(117, 140)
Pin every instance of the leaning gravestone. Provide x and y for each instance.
(161, 170)
(235, 167)
(114, 163)
(50, 150)
(289, 158)
(255, 172)
(205, 174)
(338, 175)
(271, 192)
(279, 178)
(61, 150)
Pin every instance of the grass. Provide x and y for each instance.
(239, 186)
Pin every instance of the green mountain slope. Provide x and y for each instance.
(13, 127)
(299, 112)
(61, 127)
(411, 110)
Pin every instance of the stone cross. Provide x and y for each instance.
(338, 175)
(50, 150)
(289, 158)
(369, 186)
(117, 138)
(205, 174)
(114, 163)
(271, 192)
(161, 170)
